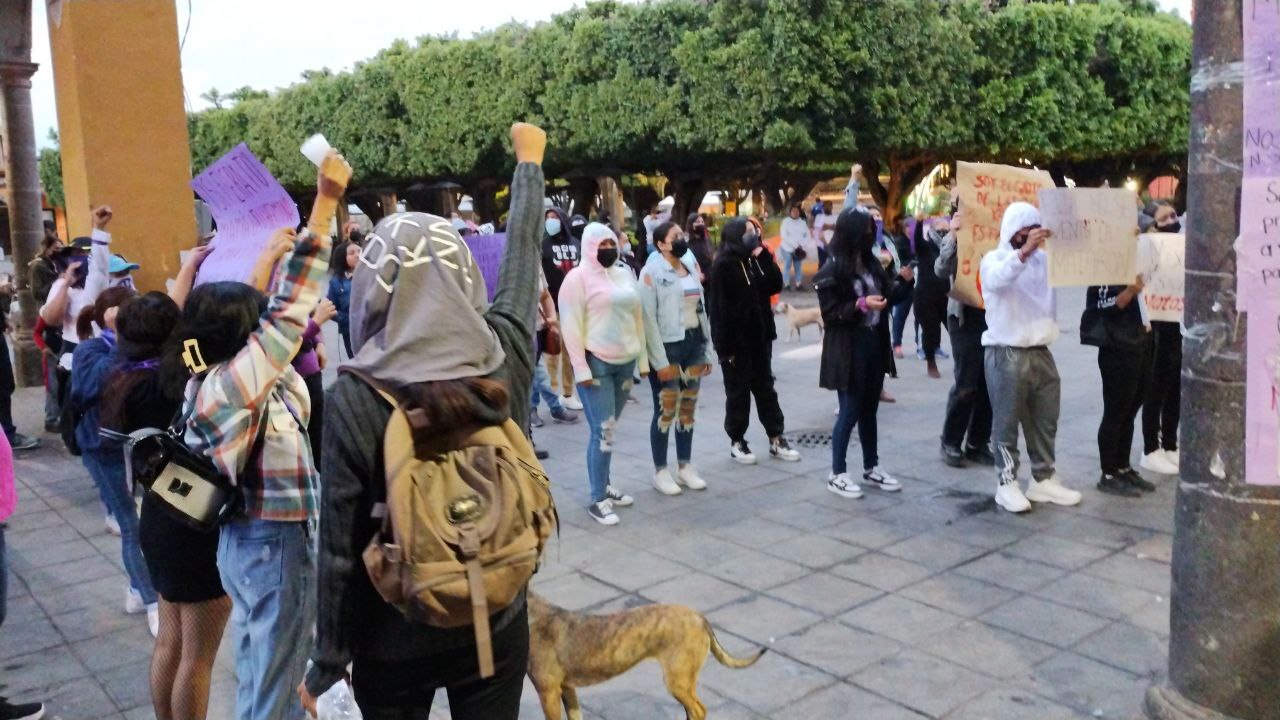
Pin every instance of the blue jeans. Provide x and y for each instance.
(106, 467)
(676, 400)
(859, 403)
(790, 261)
(268, 569)
(52, 409)
(603, 401)
(542, 388)
(899, 314)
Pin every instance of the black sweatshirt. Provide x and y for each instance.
(738, 292)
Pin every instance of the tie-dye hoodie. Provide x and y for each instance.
(600, 310)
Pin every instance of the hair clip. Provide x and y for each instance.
(192, 357)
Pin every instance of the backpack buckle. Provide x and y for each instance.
(464, 509)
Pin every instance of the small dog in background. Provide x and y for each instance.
(799, 317)
(570, 650)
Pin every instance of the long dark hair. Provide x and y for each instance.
(660, 233)
(96, 313)
(339, 265)
(219, 317)
(145, 326)
(852, 246)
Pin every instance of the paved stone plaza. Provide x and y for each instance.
(924, 604)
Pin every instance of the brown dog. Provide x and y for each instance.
(799, 317)
(571, 650)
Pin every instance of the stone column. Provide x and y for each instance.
(1224, 645)
(22, 176)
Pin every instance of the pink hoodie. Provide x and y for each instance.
(8, 493)
(600, 310)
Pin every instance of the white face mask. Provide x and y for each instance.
(124, 282)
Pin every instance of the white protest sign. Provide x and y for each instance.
(1094, 239)
(1162, 264)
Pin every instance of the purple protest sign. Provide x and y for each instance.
(248, 205)
(486, 251)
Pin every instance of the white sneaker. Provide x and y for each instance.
(617, 498)
(666, 484)
(880, 478)
(780, 449)
(153, 619)
(1051, 490)
(1173, 458)
(1158, 463)
(740, 452)
(571, 402)
(113, 527)
(1009, 496)
(603, 512)
(688, 477)
(843, 486)
(133, 601)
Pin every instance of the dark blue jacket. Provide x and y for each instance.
(91, 363)
(340, 296)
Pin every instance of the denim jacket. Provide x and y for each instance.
(662, 296)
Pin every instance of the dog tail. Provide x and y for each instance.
(723, 656)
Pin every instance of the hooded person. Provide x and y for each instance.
(1161, 407)
(420, 324)
(741, 282)
(561, 252)
(699, 242)
(930, 303)
(577, 224)
(603, 328)
(1022, 378)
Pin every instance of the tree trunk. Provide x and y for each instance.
(370, 205)
(582, 191)
(484, 201)
(688, 195)
(904, 175)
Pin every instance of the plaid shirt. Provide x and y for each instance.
(259, 384)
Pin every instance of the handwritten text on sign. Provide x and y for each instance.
(985, 191)
(1094, 235)
(248, 205)
(1162, 264)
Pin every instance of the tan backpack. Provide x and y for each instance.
(466, 520)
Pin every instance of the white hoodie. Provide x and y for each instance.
(1021, 307)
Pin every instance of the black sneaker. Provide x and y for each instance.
(951, 455)
(1118, 485)
(25, 711)
(22, 442)
(52, 428)
(617, 498)
(602, 512)
(540, 453)
(1132, 477)
(564, 415)
(535, 420)
(981, 456)
(780, 449)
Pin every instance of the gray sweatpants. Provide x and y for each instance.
(1025, 390)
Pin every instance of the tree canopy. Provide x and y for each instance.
(747, 91)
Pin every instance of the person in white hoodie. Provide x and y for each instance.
(795, 236)
(1022, 378)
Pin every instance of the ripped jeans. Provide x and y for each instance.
(602, 401)
(675, 401)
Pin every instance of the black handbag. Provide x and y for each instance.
(799, 253)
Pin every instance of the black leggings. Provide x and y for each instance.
(1125, 376)
(315, 426)
(1160, 412)
(404, 690)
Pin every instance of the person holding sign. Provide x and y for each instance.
(1022, 378)
(1160, 410)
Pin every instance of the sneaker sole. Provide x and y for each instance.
(695, 488)
(844, 493)
(1120, 493)
(1053, 501)
(953, 462)
(784, 459)
(744, 461)
(1018, 511)
(669, 492)
(610, 520)
(883, 488)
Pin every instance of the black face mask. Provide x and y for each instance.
(1170, 228)
(700, 231)
(607, 256)
(751, 241)
(679, 247)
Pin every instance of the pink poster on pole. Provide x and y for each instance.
(248, 205)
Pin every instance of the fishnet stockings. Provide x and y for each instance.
(182, 664)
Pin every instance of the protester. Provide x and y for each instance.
(1162, 405)
(677, 331)
(742, 280)
(548, 322)
(824, 224)
(42, 273)
(577, 224)
(429, 334)
(795, 236)
(121, 272)
(604, 337)
(700, 244)
(966, 429)
(900, 241)
(561, 252)
(17, 440)
(345, 255)
(310, 362)
(855, 291)
(930, 304)
(1114, 322)
(46, 267)
(1022, 378)
(9, 503)
(94, 361)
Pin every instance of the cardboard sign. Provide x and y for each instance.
(487, 252)
(1094, 239)
(248, 205)
(985, 191)
(1162, 264)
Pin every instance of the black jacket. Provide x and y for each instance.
(838, 297)
(560, 254)
(738, 292)
(1105, 324)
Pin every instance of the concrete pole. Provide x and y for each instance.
(1224, 645)
(22, 175)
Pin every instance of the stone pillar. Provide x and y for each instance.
(123, 128)
(1224, 645)
(22, 175)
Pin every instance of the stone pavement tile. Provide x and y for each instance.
(882, 571)
(868, 532)
(756, 570)
(74, 572)
(1089, 687)
(17, 639)
(1158, 548)
(575, 591)
(621, 603)
(927, 684)
(1014, 704)
(1154, 617)
(586, 551)
(1095, 595)
(26, 560)
(133, 644)
(837, 649)
(762, 619)
(39, 672)
(63, 500)
(756, 532)
(988, 650)
(23, 521)
(769, 687)
(900, 618)
(109, 547)
(1059, 552)
(82, 699)
(40, 537)
(810, 516)
(824, 594)
(1010, 572)
(1128, 647)
(1129, 570)
(93, 621)
(842, 701)
(920, 516)
(21, 607)
(697, 550)
(1045, 621)
(696, 590)
(128, 685)
(957, 594)
(981, 532)
(1102, 533)
(814, 551)
(635, 569)
(934, 553)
